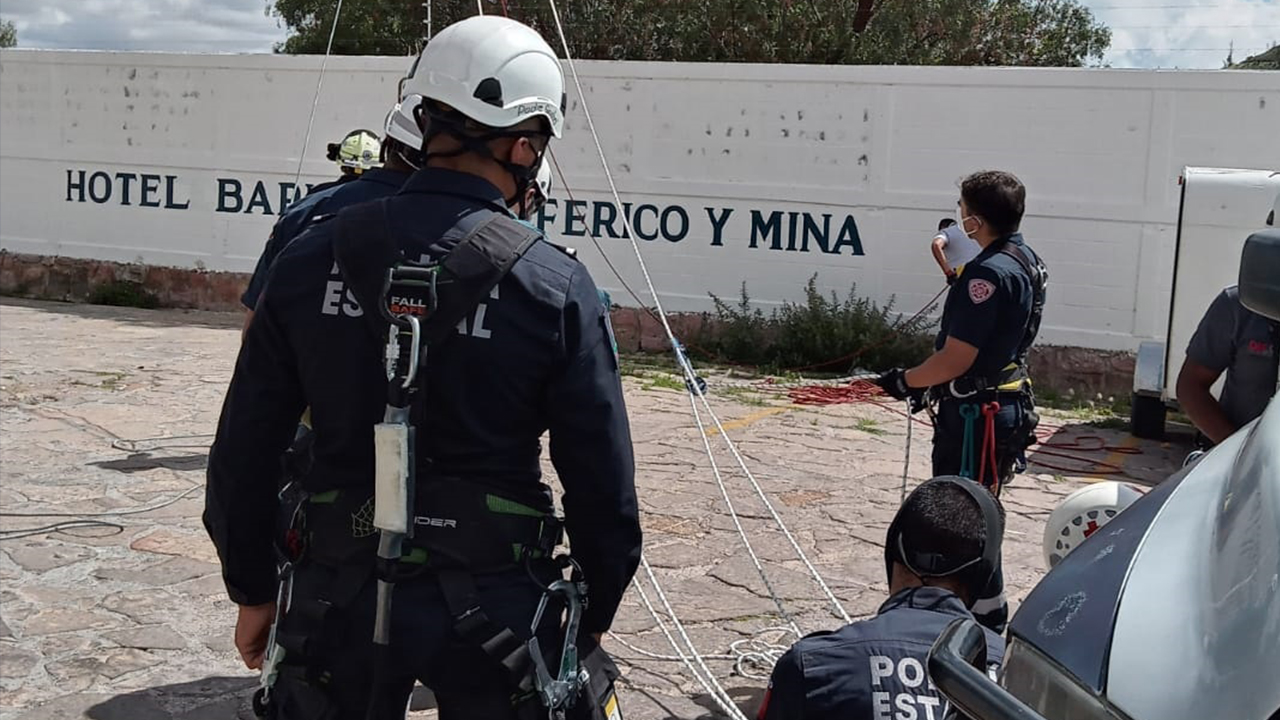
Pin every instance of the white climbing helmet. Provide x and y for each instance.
(401, 125)
(1081, 514)
(493, 70)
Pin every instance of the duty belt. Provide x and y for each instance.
(1013, 378)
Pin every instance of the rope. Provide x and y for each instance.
(755, 485)
(969, 412)
(162, 443)
(713, 686)
(859, 390)
(88, 520)
(737, 523)
(714, 690)
(690, 375)
(59, 528)
(752, 653)
(110, 513)
(658, 656)
(988, 453)
(315, 101)
(906, 460)
(599, 248)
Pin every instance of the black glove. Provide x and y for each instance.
(894, 382)
(951, 278)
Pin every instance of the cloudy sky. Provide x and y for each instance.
(1145, 33)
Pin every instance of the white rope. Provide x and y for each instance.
(714, 690)
(690, 376)
(756, 652)
(906, 461)
(315, 101)
(737, 523)
(614, 637)
(746, 654)
(795, 544)
(479, 7)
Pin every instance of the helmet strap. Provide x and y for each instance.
(453, 125)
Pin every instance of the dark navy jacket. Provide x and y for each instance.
(988, 307)
(874, 668)
(537, 355)
(330, 198)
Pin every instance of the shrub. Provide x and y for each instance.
(822, 333)
(122, 293)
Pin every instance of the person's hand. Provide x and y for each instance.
(894, 382)
(951, 277)
(253, 627)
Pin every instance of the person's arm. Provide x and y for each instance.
(258, 421)
(953, 360)
(939, 247)
(1195, 396)
(257, 281)
(784, 700)
(592, 453)
(1209, 354)
(974, 310)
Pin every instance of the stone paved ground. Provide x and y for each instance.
(133, 623)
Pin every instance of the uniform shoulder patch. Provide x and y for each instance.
(981, 290)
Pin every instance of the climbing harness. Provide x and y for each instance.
(1038, 274)
(452, 526)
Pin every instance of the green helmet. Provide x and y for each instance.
(360, 150)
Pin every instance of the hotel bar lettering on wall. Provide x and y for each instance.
(767, 228)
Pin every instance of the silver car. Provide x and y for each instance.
(1172, 611)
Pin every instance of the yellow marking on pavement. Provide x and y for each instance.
(1116, 458)
(748, 419)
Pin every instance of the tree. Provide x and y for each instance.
(8, 34)
(892, 32)
(1267, 60)
(367, 27)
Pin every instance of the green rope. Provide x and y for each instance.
(970, 413)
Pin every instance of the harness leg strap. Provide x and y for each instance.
(474, 627)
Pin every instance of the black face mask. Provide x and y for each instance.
(453, 124)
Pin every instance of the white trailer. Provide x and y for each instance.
(1219, 209)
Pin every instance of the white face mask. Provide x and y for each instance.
(960, 218)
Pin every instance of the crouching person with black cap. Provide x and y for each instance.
(941, 549)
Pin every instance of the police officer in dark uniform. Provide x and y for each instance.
(400, 157)
(985, 416)
(535, 355)
(939, 552)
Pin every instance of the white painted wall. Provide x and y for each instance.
(1100, 152)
